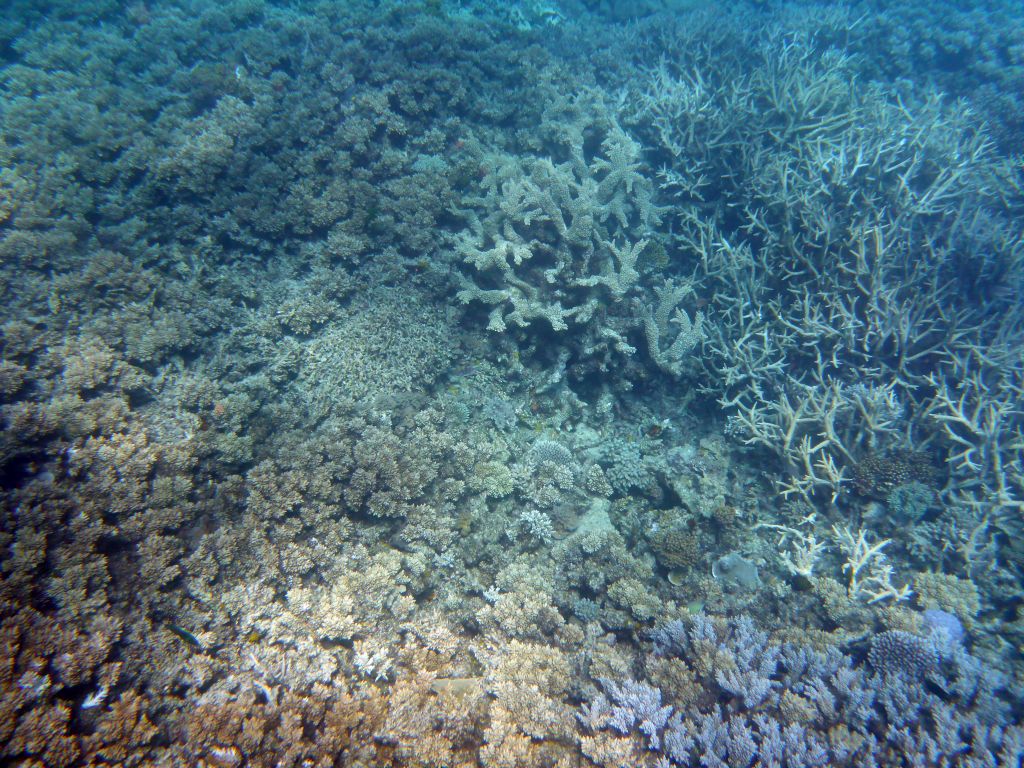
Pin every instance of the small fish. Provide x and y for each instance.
(96, 698)
(185, 635)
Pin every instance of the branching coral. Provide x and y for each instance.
(840, 319)
(758, 687)
(562, 242)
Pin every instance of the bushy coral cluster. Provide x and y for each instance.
(745, 701)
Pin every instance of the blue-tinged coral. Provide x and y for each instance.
(551, 452)
(624, 464)
(910, 501)
(752, 688)
(946, 629)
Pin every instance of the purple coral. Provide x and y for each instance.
(945, 628)
(916, 709)
(637, 705)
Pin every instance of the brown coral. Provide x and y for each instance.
(876, 475)
(677, 546)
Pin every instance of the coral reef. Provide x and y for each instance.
(791, 705)
(548, 383)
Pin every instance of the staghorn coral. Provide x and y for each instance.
(658, 327)
(846, 401)
(560, 242)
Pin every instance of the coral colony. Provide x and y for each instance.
(531, 384)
